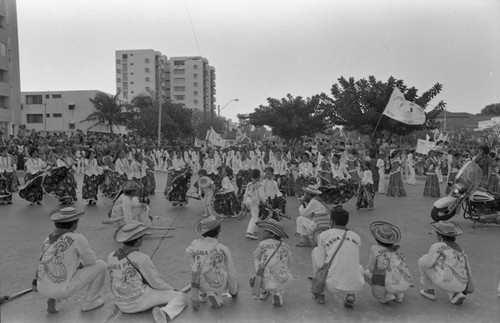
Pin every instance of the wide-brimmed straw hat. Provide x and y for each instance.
(129, 186)
(204, 182)
(66, 214)
(447, 228)
(130, 231)
(273, 226)
(385, 232)
(206, 224)
(311, 190)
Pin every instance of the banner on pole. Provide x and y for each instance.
(404, 111)
(424, 146)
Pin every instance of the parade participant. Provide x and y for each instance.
(454, 168)
(68, 264)
(386, 271)
(206, 188)
(135, 282)
(33, 178)
(242, 167)
(338, 170)
(60, 181)
(211, 164)
(139, 174)
(396, 187)
(353, 164)
(410, 164)
(127, 207)
(484, 161)
(445, 266)
(305, 174)
(275, 256)
(493, 181)
(91, 178)
(374, 170)
(122, 166)
(271, 194)
(431, 188)
(8, 178)
(180, 174)
(282, 173)
(112, 178)
(311, 206)
(381, 173)
(226, 204)
(150, 172)
(253, 196)
(345, 275)
(366, 193)
(212, 267)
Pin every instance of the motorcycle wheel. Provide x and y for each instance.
(442, 214)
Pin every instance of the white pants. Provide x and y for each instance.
(176, 302)
(254, 212)
(90, 277)
(305, 226)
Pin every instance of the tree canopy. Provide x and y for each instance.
(108, 110)
(358, 105)
(290, 117)
(491, 109)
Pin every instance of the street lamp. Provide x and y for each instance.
(225, 105)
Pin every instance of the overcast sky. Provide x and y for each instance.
(268, 48)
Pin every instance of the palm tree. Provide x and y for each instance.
(110, 110)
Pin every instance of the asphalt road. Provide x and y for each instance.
(23, 228)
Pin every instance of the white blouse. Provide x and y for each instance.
(34, 165)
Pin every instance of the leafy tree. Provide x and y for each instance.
(109, 110)
(491, 109)
(290, 117)
(201, 125)
(358, 105)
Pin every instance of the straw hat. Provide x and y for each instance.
(130, 231)
(273, 226)
(66, 214)
(385, 232)
(311, 190)
(204, 182)
(447, 228)
(130, 186)
(206, 224)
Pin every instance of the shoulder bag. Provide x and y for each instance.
(256, 281)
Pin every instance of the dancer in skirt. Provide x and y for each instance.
(180, 174)
(150, 174)
(366, 193)
(8, 178)
(112, 178)
(353, 164)
(122, 167)
(254, 195)
(395, 187)
(139, 174)
(454, 168)
(306, 174)
(211, 164)
(431, 188)
(60, 181)
(33, 179)
(386, 271)
(275, 256)
(206, 188)
(381, 174)
(226, 204)
(91, 178)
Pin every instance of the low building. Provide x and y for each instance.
(61, 111)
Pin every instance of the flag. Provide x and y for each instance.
(198, 142)
(404, 111)
(214, 138)
(427, 137)
(445, 138)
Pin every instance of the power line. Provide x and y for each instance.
(192, 28)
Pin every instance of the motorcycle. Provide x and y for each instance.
(478, 204)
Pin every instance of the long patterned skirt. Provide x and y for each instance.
(285, 184)
(179, 187)
(32, 191)
(432, 188)
(151, 186)
(493, 183)
(451, 178)
(366, 195)
(278, 202)
(227, 204)
(111, 184)
(242, 179)
(61, 184)
(354, 175)
(339, 192)
(396, 187)
(90, 187)
(8, 185)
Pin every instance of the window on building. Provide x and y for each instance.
(146, 70)
(71, 106)
(148, 88)
(178, 80)
(118, 61)
(195, 66)
(179, 97)
(195, 84)
(57, 115)
(195, 75)
(179, 88)
(178, 63)
(125, 86)
(2, 21)
(118, 80)
(195, 92)
(124, 56)
(4, 102)
(3, 49)
(146, 60)
(47, 96)
(4, 76)
(56, 96)
(195, 101)
(131, 82)
(179, 72)
(131, 54)
(118, 70)
(131, 63)
(34, 118)
(47, 115)
(34, 99)
(72, 126)
(125, 94)
(147, 79)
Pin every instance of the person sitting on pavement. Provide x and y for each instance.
(212, 266)
(345, 276)
(445, 266)
(312, 205)
(128, 208)
(135, 282)
(68, 264)
(276, 256)
(386, 271)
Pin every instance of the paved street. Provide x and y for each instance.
(23, 228)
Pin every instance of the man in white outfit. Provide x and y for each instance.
(311, 206)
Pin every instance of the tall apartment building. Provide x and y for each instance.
(10, 84)
(189, 80)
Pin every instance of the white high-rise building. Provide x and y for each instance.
(10, 84)
(188, 80)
